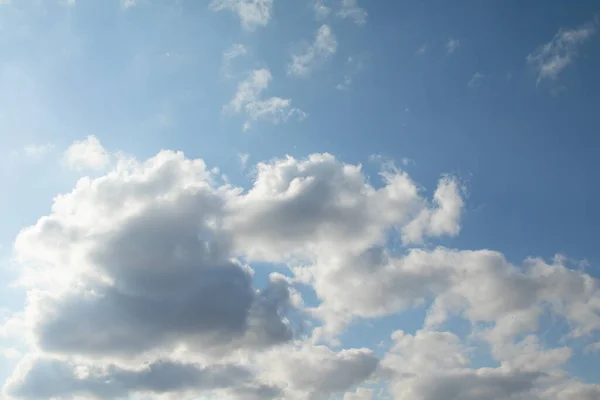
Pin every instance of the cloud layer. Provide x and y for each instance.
(140, 281)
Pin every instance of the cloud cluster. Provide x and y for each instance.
(138, 283)
(252, 13)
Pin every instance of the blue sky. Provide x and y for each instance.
(482, 116)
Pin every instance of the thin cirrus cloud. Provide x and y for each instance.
(137, 286)
(314, 54)
(249, 101)
(552, 58)
(252, 13)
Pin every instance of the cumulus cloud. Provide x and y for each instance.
(86, 154)
(552, 58)
(140, 281)
(50, 378)
(249, 100)
(350, 9)
(252, 13)
(433, 365)
(315, 54)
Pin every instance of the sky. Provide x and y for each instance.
(308, 199)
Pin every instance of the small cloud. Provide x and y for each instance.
(244, 157)
(37, 151)
(252, 13)
(556, 55)
(475, 81)
(10, 353)
(322, 11)
(229, 55)
(353, 67)
(351, 10)
(86, 154)
(129, 3)
(408, 161)
(452, 45)
(248, 100)
(422, 50)
(324, 46)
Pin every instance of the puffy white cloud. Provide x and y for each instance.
(50, 378)
(248, 99)
(137, 283)
(350, 9)
(435, 365)
(153, 273)
(252, 13)
(87, 154)
(556, 55)
(315, 54)
(312, 371)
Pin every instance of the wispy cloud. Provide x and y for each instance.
(37, 150)
(322, 10)
(476, 80)
(252, 13)
(229, 55)
(452, 45)
(351, 10)
(422, 50)
(324, 46)
(248, 100)
(353, 67)
(556, 55)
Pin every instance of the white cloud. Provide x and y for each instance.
(129, 3)
(252, 13)
(360, 394)
(249, 101)
(353, 67)
(37, 150)
(350, 9)
(230, 55)
(87, 154)
(476, 80)
(553, 57)
(136, 284)
(321, 9)
(435, 366)
(422, 50)
(452, 45)
(315, 54)
(244, 157)
(10, 353)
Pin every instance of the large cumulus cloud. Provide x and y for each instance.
(138, 283)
